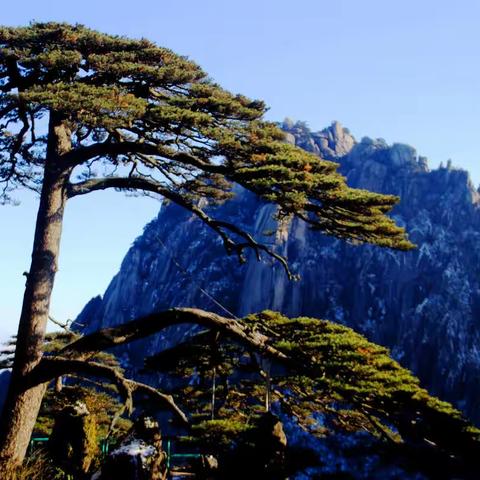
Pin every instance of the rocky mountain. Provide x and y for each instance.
(423, 304)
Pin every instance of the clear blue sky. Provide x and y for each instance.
(407, 71)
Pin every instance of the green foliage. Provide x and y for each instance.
(156, 117)
(220, 433)
(102, 405)
(342, 366)
(101, 107)
(79, 451)
(101, 398)
(332, 373)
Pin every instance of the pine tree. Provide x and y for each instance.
(334, 382)
(82, 111)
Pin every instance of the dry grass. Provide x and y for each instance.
(36, 467)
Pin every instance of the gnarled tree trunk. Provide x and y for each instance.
(23, 403)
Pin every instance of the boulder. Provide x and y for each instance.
(73, 442)
(139, 457)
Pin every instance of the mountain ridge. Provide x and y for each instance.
(424, 304)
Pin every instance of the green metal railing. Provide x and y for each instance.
(104, 443)
(35, 440)
(105, 448)
(171, 455)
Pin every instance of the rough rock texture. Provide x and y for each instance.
(271, 443)
(139, 457)
(73, 442)
(424, 304)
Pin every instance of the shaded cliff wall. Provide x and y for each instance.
(424, 304)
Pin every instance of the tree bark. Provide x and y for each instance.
(23, 403)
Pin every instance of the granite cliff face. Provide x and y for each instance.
(424, 304)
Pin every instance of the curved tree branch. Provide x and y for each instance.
(87, 346)
(73, 358)
(51, 367)
(219, 226)
(83, 154)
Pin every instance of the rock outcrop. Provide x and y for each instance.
(424, 304)
(73, 442)
(139, 457)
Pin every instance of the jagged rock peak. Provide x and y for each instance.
(337, 143)
(377, 162)
(396, 156)
(330, 143)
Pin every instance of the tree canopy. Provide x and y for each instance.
(331, 381)
(138, 116)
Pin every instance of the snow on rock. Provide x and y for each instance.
(137, 448)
